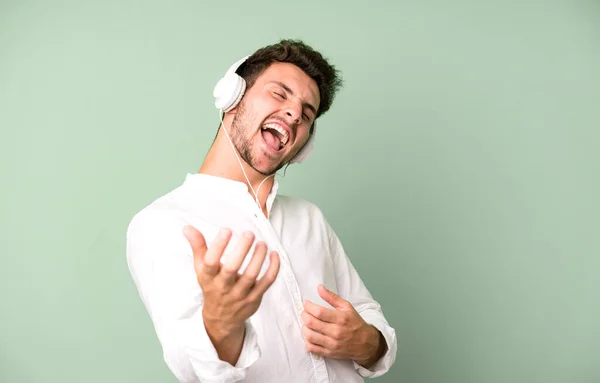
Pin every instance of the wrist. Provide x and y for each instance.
(227, 340)
(218, 331)
(376, 348)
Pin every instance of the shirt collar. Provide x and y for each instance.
(209, 184)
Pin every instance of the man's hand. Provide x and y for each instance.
(230, 298)
(340, 333)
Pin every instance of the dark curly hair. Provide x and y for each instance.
(296, 52)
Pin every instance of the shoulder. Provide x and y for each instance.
(159, 220)
(303, 210)
(300, 206)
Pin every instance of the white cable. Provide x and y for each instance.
(240, 162)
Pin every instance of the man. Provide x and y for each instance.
(223, 310)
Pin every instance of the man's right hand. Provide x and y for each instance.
(230, 298)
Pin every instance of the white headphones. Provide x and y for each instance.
(229, 91)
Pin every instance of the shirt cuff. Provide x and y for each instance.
(209, 368)
(387, 360)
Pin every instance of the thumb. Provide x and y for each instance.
(332, 298)
(198, 243)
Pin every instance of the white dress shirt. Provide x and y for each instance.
(160, 260)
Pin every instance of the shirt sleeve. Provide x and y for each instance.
(160, 261)
(351, 288)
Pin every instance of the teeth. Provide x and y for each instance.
(278, 128)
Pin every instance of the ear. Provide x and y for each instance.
(234, 110)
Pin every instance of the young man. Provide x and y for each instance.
(224, 310)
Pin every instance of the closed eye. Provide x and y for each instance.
(282, 96)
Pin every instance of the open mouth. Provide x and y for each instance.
(275, 136)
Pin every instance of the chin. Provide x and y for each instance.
(265, 164)
(267, 170)
(267, 167)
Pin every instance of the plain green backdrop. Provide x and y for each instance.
(460, 166)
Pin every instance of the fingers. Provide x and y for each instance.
(332, 298)
(318, 350)
(323, 313)
(317, 339)
(207, 261)
(229, 270)
(320, 326)
(213, 255)
(248, 279)
(269, 277)
(198, 244)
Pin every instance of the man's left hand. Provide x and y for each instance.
(340, 333)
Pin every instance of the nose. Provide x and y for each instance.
(293, 110)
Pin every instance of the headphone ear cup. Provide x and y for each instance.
(307, 149)
(229, 91)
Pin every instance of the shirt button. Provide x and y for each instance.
(317, 357)
(299, 307)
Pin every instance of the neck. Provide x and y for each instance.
(221, 161)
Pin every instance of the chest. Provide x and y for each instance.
(299, 238)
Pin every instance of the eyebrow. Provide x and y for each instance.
(290, 91)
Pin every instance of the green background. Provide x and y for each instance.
(460, 166)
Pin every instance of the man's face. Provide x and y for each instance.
(272, 122)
